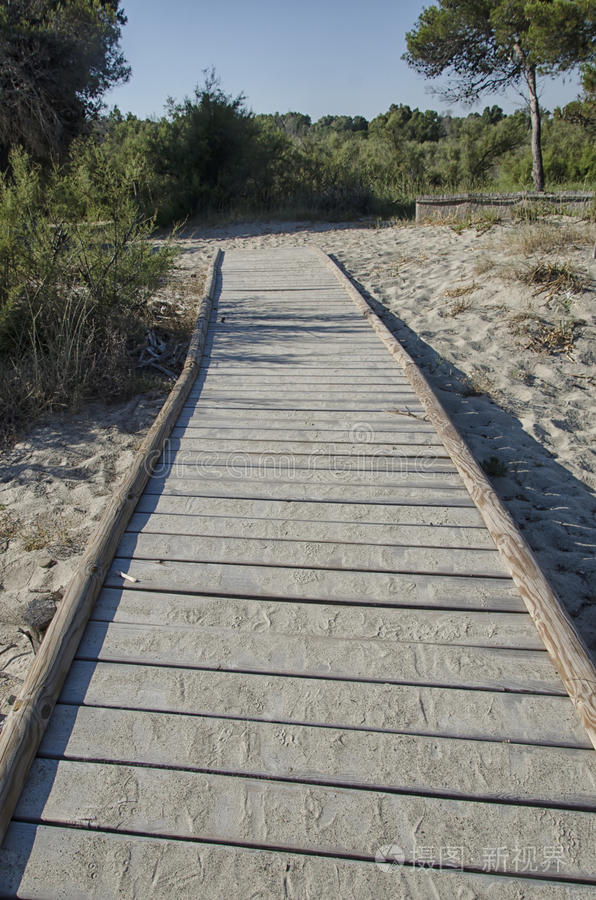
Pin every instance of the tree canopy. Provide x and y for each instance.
(57, 59)
(583, 110)
(486, 45)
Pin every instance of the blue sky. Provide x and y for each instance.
(341, 57)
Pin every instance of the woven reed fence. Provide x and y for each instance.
(506, 206)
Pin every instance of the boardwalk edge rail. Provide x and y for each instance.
(561, 640)
(25, 724)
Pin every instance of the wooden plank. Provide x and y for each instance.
(314, 449)
(313, 554)
(272, 324)
(264, 331)
(247, 302)
(335, 756)
(264, 328)
(98, 865)
(408, 471)
(271, 330)
(310, 311)
(261, 331)
(487, 668)
(418, 457)
(287, 466)
(275, 617)
(305, 322)
(327, 384)
(247, 282)
(295, 355)
(425, 479)
(385, 419)
(323, 342)
(439, 518)
(237, 352)
(292, 582)
(391, 427)
(286, 369)
(245, 342)
(216, 390)
(30, 713)
(225, 430)
(272, 300)
(331, 379)
(560, 637)
(284, 816)
(315, 403)
(322, 379)
(320, 529)
(214, 484)
(414, 709)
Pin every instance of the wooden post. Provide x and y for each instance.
(27, 721)
(563, 643)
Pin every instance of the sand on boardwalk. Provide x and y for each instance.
(482, 336)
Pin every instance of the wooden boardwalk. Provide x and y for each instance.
(309, 672)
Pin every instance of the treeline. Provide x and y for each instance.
(81, 191)
(76, 269)
(209, 154)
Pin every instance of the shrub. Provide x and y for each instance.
(77, 272)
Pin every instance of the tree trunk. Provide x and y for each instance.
(537, 167)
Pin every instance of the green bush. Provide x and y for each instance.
(77, 272)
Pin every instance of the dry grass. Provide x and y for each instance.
(460, 291)
(47, 531)
(9, 524)
(540, 336)
(174, 307)
(458, 307)
(549, 237)
(483, 265)
(556, 339)
(553, 278)
(590, 379)
(481, 221)
(405, 259)
(518, 373)
(462, 300)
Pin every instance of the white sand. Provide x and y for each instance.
(54, 485)
(535, 412)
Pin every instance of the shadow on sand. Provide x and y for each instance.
(554, 510)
